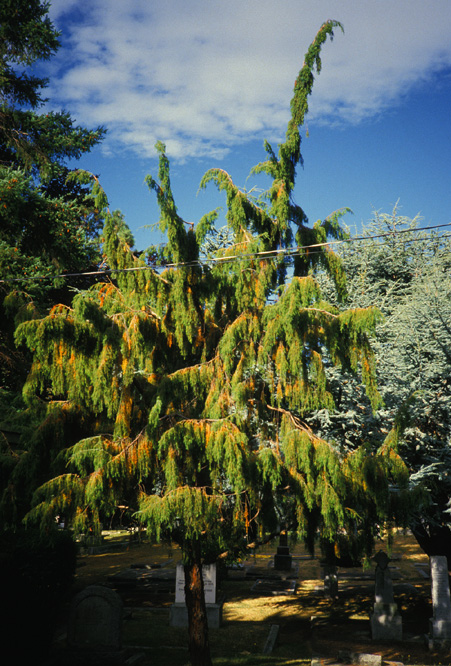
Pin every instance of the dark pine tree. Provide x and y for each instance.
(47, 225)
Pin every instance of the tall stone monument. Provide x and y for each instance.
(440, 622)
(386, 622)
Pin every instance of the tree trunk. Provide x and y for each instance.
(199, 647)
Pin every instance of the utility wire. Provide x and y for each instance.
(315, 248)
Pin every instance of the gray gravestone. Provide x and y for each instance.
(386, 622)
(362, 658)
(272, 639)
(179, 584)
(330, 574)
(440, 623)
(95, 627)
(383, 592)
(283, 559)
(179, 614)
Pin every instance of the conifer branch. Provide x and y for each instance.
(326, 312)
(299, 425)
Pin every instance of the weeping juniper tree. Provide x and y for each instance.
(199, 374)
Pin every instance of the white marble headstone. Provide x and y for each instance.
(209, 576)
(180, 584)
(440, 623)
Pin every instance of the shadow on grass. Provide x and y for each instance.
(236, 642)
(260, 660)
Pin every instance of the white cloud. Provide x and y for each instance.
(202, 75)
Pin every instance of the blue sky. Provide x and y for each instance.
(213, 78)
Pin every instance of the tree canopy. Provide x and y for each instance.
(48, 224)
(404, 271)
(29, 139)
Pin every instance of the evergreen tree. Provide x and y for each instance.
(405, 272)
(47, 225)
(423, 356)
(29, 139)
(198, 374)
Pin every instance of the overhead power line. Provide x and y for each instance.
(267, 254)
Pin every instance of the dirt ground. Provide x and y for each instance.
(310, 625)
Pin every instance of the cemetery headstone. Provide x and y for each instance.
(330, 574)
(209, 576)
(272, 639)
(95, 627)
(283, 559)
(179, 613)
(440, 623)
(386, 622)
(362, 658)
(272, 587)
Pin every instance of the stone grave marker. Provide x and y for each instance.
(283, 559)
(386, 622)
(179, 584)
(361, 658)
(95, 627)
(179, 614)
(422, 568)
(440, 623)
(271, 587)
(330, 574)
(209, 576)
(272, 639)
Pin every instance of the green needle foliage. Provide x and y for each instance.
(30, 139)
(405, 272)
(197, 378)
(47, 225)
